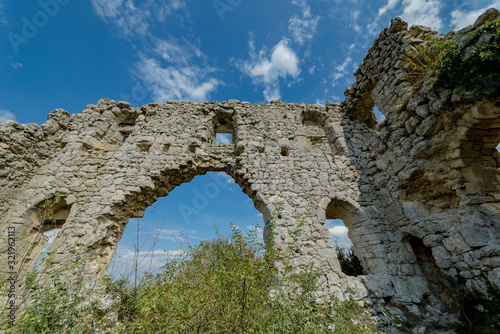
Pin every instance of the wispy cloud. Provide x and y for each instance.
(170, 81)
(422, 12)
(175, 51)
(341, 70)
(124, 260)
(267, 71)
(6, 115)
(388, 6)
(15, 65)
(354, 20)
(385, 13)
(168, 234)
(3, 19)
(303, 28)
(170, 68)
(131, 20)
(462, 17)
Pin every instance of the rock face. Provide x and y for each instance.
(419, 191)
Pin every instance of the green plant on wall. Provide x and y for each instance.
(452, 63)
(425, 58)
(474, 69)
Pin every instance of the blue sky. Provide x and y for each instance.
(68, 53)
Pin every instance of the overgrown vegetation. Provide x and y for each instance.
(233, 285)
(426, 58)
(473, 68)
(450, 63)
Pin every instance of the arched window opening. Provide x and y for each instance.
(183, 218)
(439, 284)
(47, 220)
(338, 219)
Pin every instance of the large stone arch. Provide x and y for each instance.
(108, 227)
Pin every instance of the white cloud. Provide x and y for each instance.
(171, 81)
(107, 8)
(165, 10)
(172, 68)
(268, 71)
(129, 19)
(338, 233)
(463, 17)
(132, 20)
(6, 115)
(255, 228)
(354, 20)
(422, 12)
(386, 13)
(225, 177)
(304, 28)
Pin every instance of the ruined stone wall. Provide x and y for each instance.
(419, 191)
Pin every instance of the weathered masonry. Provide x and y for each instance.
(419, 192)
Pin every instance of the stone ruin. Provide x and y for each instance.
(419, 191)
